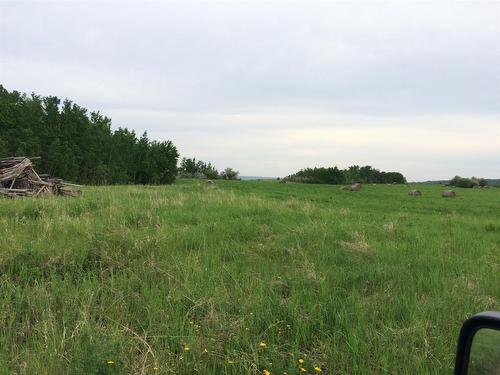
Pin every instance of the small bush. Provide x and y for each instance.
(229, 174)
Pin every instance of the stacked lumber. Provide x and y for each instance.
(18, 178)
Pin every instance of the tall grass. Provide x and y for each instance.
(242, 277)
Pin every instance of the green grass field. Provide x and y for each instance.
(244, 278)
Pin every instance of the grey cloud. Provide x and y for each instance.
(370, 58)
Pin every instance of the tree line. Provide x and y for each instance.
(336, 176)
(79, 145)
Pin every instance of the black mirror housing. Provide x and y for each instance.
(486, 319)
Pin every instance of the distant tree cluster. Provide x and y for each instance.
(80, 146)
(336, 176)
(229, 174)
(192, 168)
(468, 182)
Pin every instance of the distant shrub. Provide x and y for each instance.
(467, 182)
(192, 168)
(483, 182)
(211, 173)
(229, 174)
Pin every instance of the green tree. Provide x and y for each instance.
(192, 168)
(229, 174)
(77, 145)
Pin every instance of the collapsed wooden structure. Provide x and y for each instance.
(18, 178)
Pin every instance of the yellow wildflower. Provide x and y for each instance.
(205, 350)
(262, 344)
(230, 362)
(156, 368)
(266, 372)
(301, 361)
(302, 369)
(317, 369)
(110, 363)
(187, 348)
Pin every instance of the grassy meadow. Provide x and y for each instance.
(250, 277)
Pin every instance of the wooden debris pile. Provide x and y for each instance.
(18, 178)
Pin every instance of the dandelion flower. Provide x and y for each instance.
(187, 348)
(110, 363)
(156, 368)
(262, 344)
(317, 369)
(302, 369)
(301, 361)
(205, 350)
(266, 372)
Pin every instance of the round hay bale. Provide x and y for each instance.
(448, 194)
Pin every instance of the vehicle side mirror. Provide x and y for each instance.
(478, 350)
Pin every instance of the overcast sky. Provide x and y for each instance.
(270, 88)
